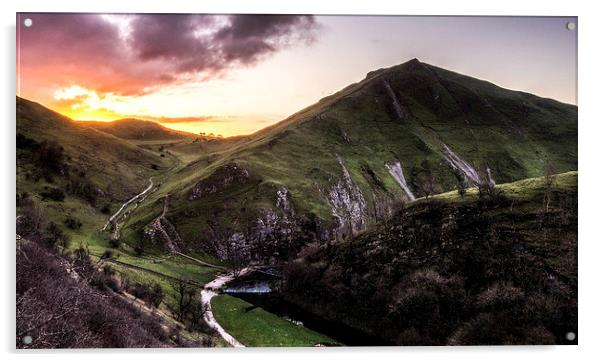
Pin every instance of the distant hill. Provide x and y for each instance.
(137, 129)
(333, 169)
(113, 167)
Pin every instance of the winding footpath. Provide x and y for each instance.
(210, 290)
(115, 216)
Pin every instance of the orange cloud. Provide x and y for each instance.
(136, 54)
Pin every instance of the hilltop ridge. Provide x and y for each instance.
(138, 129)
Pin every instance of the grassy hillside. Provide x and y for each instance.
(415, 114)
(98, 157)
(71, 178)
(455, 270)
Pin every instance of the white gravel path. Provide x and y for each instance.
(211, 290)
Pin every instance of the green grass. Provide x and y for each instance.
(527, 189)
(259, 328)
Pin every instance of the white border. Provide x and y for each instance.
(589, 133)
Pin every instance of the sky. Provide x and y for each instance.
(236, 74)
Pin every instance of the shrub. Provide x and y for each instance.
(501, 296)
(24, 142)
(73, 223)
(428, 302)
(53, 194)
(23, 199)
(139, 248)
(84, 189)
(114, 241)
(140, 291)
(51, 155)
(108, 254)
(106, 209)
(105, 282)
(156, 295)
(108, 270)
(55, 236)
(31, 223)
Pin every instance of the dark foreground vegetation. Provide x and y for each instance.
(66, 301)
(497, 270)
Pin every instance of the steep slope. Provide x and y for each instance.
(136, 129)
(332, 169)
(77, 174)
(117, 167)
(67, 302)
(455, 270)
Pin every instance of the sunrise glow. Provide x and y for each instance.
(223, 74)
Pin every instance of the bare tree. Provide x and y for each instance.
(196, 314)
(486, 186)
(427, 185)
(32, 221)
(237, 253)
(549, 182)
(185, 295)
(462, 187)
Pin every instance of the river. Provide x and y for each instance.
(261, 290)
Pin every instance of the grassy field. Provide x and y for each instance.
(259, 328)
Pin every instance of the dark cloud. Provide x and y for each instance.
(204, 43)
(88, 50)
(247, 38)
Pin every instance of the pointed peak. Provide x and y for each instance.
(413, 65)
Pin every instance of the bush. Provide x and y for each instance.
(106, 209)
(140, 291)
(108, 254)
(108, 270)
(139, 248)
(73, 223)
(24, 142)
(105, 282)
(114, 241)
(31, 223)
(156, 295)
(53, 194)
(428, 302)
(55, 236)
(50, 155)
(84, 189)
(23, 199)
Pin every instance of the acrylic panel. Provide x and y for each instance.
(198, 180)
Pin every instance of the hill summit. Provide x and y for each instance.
(333, 169)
